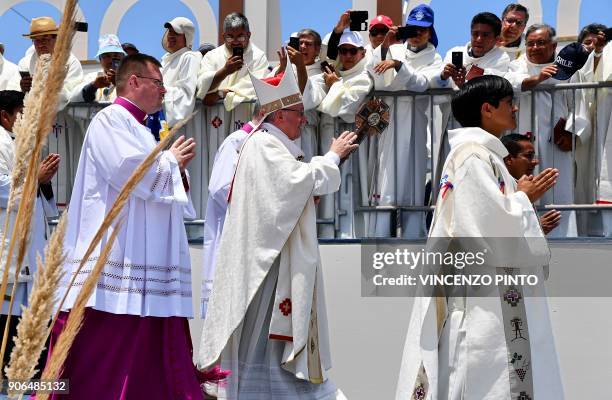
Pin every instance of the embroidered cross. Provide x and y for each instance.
(523, 396)
(285, 307)
(57, 129)
(419, 393)
(512, 296)
(238, 124)
(216, 122)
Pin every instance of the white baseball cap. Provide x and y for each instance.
(352, 38)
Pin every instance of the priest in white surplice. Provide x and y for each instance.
(467, 346)
(136, 319)
(514, 21)
(266, 319)
(534, 68)
(397, 66)
(339, 93)
(180, 66)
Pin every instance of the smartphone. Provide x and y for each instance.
(115, 64)
(325, 64)
(81, 26)
(294, 42)
(406, 32)
(359, 20)
(237, 51)
(457, 59)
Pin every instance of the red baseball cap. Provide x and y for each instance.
(381, 20)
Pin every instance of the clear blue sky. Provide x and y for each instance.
(143, 24)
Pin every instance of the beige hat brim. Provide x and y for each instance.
(33, 35)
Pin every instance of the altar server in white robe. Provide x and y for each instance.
(480, 56)
(407, 66)
(553, 140)
(99, 86)
(9, 75)
(143, 295)
(461, 346)
(43, 33)
(339, 93)
(514, 21)
(305, 62)
(180, 66)
(11, 105)
(266, 320)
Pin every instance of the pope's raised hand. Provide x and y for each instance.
(343, 144)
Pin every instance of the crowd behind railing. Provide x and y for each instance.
(564, 104)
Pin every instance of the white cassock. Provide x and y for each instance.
(463, 347)
(103, 95)
(9, 75)
(148, 272)
(38, 229)
(594, 155)
(409, 144)
(266, 319)
(218, 189)
(220, 120)
(548, 152)
(342, 100)
(180, 72)
(74, 76)
(495, 62)
(516, 51)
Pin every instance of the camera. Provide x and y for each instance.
(359, 20)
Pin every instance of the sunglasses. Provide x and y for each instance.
(378, 31)
(348, 50)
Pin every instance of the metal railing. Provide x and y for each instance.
(371, 195)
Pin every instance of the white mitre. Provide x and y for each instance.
(273, 98)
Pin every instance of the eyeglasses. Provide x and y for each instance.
(529, 156)
(539, 43)
(240, 38)
(157, 82)
(348, 50)
(378, 31)
(514, 21)
(301, 112)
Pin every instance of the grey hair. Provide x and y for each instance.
(235, 20)
(313, 33)
(552, 33)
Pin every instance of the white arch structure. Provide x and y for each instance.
(79, 44)
(205, 18)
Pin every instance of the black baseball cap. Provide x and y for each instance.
(569, 60)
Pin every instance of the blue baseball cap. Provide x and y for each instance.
(422, 15)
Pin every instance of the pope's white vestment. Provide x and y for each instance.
(180, 72)
(148, 272)
(549, 154)
(9, 75)
(218, 190)
(416, 71)
(266, 319)
(342, 100)
(463, 347)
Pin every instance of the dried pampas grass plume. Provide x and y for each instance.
(49, 101)
(32, 329)
(75, 318)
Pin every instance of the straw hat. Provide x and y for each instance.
(42, 26)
